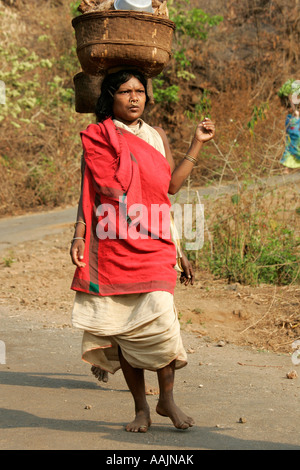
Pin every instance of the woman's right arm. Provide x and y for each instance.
(78, 242)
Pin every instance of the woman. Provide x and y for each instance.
(125, 276)
(291, 156)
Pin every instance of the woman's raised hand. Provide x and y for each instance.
(205, 130)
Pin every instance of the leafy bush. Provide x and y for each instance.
(251, 242)
(191, 24)
(163, 93)
(289, 87)
(252, 257)
(38, 146)
(27, 88)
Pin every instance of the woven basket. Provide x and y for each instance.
(112, 38)
(87, 92)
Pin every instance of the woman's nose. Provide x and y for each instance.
(133, 96)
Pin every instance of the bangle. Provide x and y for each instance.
(78, 238)
(79, 222)
(190, 158)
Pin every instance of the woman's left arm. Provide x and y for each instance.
(205, 131)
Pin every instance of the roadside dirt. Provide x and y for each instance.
(35, 279)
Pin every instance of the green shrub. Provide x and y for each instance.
(164, 93)
(250, 242)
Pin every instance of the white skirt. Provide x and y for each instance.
(145, 327)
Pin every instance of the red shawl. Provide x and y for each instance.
(128, 247)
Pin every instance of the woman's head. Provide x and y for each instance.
(123, 96)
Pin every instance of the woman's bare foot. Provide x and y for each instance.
(178, 417)
(100, 374)
(141, 423)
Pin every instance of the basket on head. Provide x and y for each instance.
(107, 39)
(87, 92)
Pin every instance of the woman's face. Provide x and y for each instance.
(129, 101)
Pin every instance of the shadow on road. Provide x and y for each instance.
(198, 437)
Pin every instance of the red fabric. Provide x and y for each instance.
(121, 167)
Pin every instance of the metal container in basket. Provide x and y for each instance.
(112, 38)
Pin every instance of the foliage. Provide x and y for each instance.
(164, 93)
(202, 109)
(252, 243)
(8, 260)
(23, 72)
(74, 8)
(290, 87)
(191, 24)
(258, 114)
(37, 150)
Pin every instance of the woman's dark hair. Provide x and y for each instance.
(110, 84)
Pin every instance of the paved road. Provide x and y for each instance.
(49, 399)
(14, 230)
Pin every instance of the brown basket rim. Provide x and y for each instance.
(139, 15)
